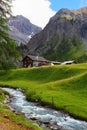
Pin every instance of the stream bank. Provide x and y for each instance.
(45, 117)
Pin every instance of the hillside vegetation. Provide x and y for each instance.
(8, 48)
(63, 87)
(9, 55)
(68, 49)
(13, 121)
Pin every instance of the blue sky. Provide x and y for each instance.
(70, 4)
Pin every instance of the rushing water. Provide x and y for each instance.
(56, 119)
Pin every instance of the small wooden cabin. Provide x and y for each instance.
(34, 61)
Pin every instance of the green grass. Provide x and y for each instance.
(2, 95)
(18, 119)
(14, 118)
(63, 87)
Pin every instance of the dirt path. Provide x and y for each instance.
(7, 124)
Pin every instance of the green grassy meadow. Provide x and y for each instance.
(64, 87)
(12, 121)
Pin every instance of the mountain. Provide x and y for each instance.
(64, 37)
(21, 29)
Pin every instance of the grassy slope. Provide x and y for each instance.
(12, 121)
(64, 86)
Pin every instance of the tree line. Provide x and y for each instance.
(8, 47)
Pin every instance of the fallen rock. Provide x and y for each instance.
(11, 95)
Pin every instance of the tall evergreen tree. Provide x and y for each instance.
(5, 8)
(5, 11)
(8, 48)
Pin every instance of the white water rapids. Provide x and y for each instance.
(55, 119)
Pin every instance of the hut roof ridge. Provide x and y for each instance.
(37, 58)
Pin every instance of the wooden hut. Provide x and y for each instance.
(34, 61)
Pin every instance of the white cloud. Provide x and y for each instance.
(37, 11)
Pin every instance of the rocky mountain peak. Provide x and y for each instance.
(66, 30)
(17, 20)
(73, 14)
(21, 29)
(80, 11)
(23, 25)
(61, 13)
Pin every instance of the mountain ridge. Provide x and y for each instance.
(65, 33)
(21, 29)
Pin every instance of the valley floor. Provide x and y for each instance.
(63, 87)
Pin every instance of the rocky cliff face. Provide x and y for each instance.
(64, 36)
(21, 29)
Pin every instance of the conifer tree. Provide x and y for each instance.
(5, 11)
(5, 8)
(8, 48)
